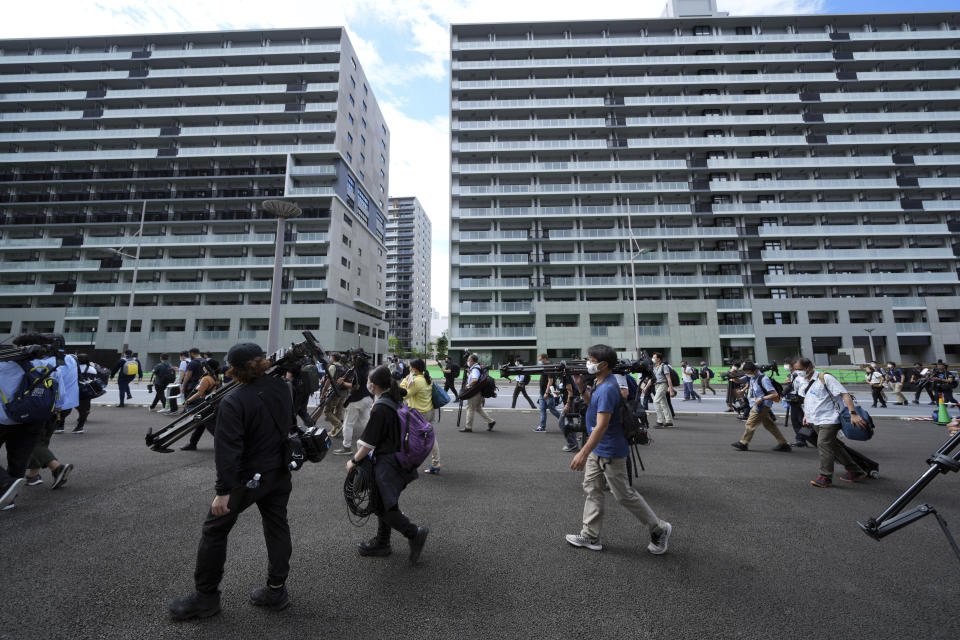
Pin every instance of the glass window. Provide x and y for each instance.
(352, 101)
(384, 128)
(363, 121)
(350, 118)
(364, 89)
(349, 157)
(364, 105)
(349, 137)
(353, 83)
(363, 158)
(354, 61)
(363, 140)
(383, 160)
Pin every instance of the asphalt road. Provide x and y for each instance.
(756, 552)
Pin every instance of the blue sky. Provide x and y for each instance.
(404, 48)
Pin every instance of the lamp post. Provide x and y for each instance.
(870, 337)
(136, 269)
(633, 280)
(282, 210)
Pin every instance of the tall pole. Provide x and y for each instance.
(633, 283)
(282, 210)
(133, 286)
(376, 351)
(870, 337)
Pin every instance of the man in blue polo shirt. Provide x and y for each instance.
(605, 455)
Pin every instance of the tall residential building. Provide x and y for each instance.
(409, 234)
(200, 129)
(789, 182)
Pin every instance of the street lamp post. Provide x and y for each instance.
(634, 252)
(282, 210)
(870, 337)
(133, 286)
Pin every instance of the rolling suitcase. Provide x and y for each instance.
(872, 467)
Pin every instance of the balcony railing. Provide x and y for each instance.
(495, 332)
(736, 329)
(912, 327)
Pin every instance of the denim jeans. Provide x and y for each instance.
(689, 393)
(550, 404)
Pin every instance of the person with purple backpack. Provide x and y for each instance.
(393, 470)
(419, 387)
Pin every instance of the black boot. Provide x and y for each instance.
(416, 544)
(379, 545)
(273, 599)
(195, 605)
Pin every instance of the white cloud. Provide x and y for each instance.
(420, 147)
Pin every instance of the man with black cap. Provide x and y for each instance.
(249, 447)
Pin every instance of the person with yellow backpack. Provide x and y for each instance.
(126, 370)
(419, 396)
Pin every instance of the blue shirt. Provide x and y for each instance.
(66, 376)
(760, 386)
(606, 399)
(895, 374)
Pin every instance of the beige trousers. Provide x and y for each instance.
(615, 471)
(475, 408)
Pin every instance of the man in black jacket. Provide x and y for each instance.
(249, 447)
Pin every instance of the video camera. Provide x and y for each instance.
(311, 443)
(33, 346)
(762, 368)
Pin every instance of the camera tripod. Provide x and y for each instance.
(946, 459)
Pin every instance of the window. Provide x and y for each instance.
(344, 262)
(778, 293)
(344, 285)
(744, 31)
(363, 140)
(346, 240)
(363, 158)
(702, 30)
(349, 137)
(382, 174)
(354, 61)
(763, 176)
(347, 219)
(713, 133)
(707, 72)
(383, 127)
(352, 101)
(364, 105)
(364, 89)
(361, 175)
(761, 154)
(757, 132)
(775, 269)
(363, 122)
(381, 191)
(351, 183)
(383, 159)
(350, 117)
(353, 83)
(383, 145)
(349, 157)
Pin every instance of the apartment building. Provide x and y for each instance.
(409, 238)
(194, 131)
(766, 185)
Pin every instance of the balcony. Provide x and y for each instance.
(733, 330)
(493, 283)
(212, 335)
(646, 281)
(496, 307)
(495, 332)
(94, 288)
(507, 258)
(25, 289)
(853, 279)
(909, 303)
(912, 328)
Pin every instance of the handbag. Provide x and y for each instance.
(439, 397)
(850, 430)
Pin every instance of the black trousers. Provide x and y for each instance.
(795, 411)
(20, 440)
(394, 519)
(159, 396)
(929, 389)
(83, 410)
(271, 498)
(301, 410)
(450, 384)
(198, 432)
(517, 390)
(878, 396)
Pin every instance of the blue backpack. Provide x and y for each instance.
(36, 397)
(632, 388)
(439, 397)
(416, 438)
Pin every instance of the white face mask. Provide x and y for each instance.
(371, 388)
(593, 367)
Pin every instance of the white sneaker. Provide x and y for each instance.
(582, 541)
(660, 539)
(9, 494)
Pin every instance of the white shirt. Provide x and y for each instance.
(183, 369)
(621, 381)
(688, 374)
(875, 378)
(474, 374)
(818, 408)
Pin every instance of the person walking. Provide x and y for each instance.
(126, 369)
(377, 447)
(250, 442)
(521, 387)
(763, 396)
(333, 409)
(357, 405)
(793, 403)
(706, 375)
(87, 370)
(419, 387)
(894, 377)
(475, 402)
(209, 382)
(162, 375)
(822, 394)
(688, 377)
(450, 372)
(547, 400)
(605, 457)
(662, 383)
(875, 380)
(733, 386)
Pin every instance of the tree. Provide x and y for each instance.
(443, 343)
(393, 344)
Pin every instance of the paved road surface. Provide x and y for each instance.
(757, 552)
(710, 404)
